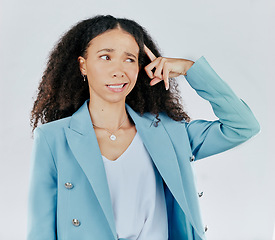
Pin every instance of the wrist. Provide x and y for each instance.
(188, 65)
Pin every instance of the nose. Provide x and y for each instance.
(118, 74)
(118, 71)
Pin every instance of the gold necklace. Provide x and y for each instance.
(112, 136)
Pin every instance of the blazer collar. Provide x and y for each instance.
(83, 143)
(81, 121)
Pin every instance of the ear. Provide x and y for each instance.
(82, 65)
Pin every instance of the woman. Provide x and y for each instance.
(113, 157)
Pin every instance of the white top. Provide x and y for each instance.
(137, 194)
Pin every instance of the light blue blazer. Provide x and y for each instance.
(68, 179)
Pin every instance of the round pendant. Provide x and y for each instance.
(113, 137)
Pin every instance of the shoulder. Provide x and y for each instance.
(171, 123)
(54, 128)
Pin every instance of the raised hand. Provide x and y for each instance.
(165, 68)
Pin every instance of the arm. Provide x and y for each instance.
(42, 192)
(236, 122)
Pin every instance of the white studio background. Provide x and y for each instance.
(236, 37)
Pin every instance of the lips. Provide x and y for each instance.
(118, 87)
(115, 84)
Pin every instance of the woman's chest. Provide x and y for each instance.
(113, 149)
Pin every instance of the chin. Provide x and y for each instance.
(116, 99)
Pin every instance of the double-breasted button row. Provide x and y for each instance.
(76, 222)
(68, 185)
(200, 194)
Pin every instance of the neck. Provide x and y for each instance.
(108, 115)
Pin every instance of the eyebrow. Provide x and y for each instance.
(112, 50)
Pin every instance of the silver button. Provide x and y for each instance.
(200, 194)
(192, 158)
(69, 185)
(76, 223)
(205, 228)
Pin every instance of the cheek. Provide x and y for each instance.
(97, 72)
(133, 74)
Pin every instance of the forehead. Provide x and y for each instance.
(116, 39)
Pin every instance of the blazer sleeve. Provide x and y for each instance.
(236, 123)
(42, 191)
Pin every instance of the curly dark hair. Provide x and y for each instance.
(62, 89)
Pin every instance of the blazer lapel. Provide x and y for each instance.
(161, 150)
(83, 143)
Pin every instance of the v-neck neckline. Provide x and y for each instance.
(124, 153)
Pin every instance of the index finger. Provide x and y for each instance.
(149, 53)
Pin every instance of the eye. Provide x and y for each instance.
(130, 60)
(105, 57)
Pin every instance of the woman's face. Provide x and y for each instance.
(111, 65)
